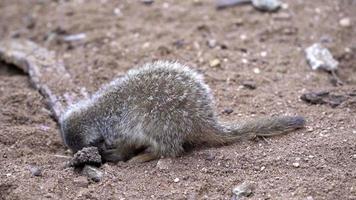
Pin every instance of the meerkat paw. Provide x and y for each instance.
(112, 155)
(144, 157)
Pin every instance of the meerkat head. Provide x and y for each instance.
(72, 131)
(78, 129)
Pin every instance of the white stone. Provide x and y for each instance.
(244, 60)
(266, 5)
(296, 164)
(345, 22)
(256, 70)
(243, 190)
(243, 37)
(285, 6)
(320, 57)
(117, 12)
(74, 37)
(263, 54)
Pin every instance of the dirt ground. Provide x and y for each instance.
(267, 49)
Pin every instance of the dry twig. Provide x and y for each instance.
(47, 72)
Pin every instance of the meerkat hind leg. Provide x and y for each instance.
(143, 157)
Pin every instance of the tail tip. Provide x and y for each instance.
(298, 121)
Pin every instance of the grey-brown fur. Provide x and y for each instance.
(159, 107)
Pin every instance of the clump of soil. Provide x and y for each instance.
(86, 156)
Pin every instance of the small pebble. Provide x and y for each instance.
(29, 22)
(179, 43)
(35, 170)
(243, 37)
(146, 45)
(249, 84)
(227, 111)
(314, 97)
(215, 63)
(205, 170)
(263, 54)
(310, 129)
(320, 57)
(92, 173)
(243, 190)
(147, 2)
(224, 46)
(50, 196)
(74, 37)
(309, 198)
(165, 5)
(117, 12)
(284, 6)
(345, 22)
(176, 180)
(296, 164)
(239, 22)
(317, 10)
(212, 43)
(256, 70)
(348, 50)
(266, 5)
(197, 2)
(220, 4)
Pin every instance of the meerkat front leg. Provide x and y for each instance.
(115, 155)
(143, 157)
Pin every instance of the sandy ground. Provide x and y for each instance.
(318, 162)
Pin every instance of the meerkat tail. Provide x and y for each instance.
(270, 126)
(258, 127)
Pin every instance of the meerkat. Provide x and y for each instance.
(157, 110)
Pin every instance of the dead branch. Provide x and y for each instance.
(47, 72)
